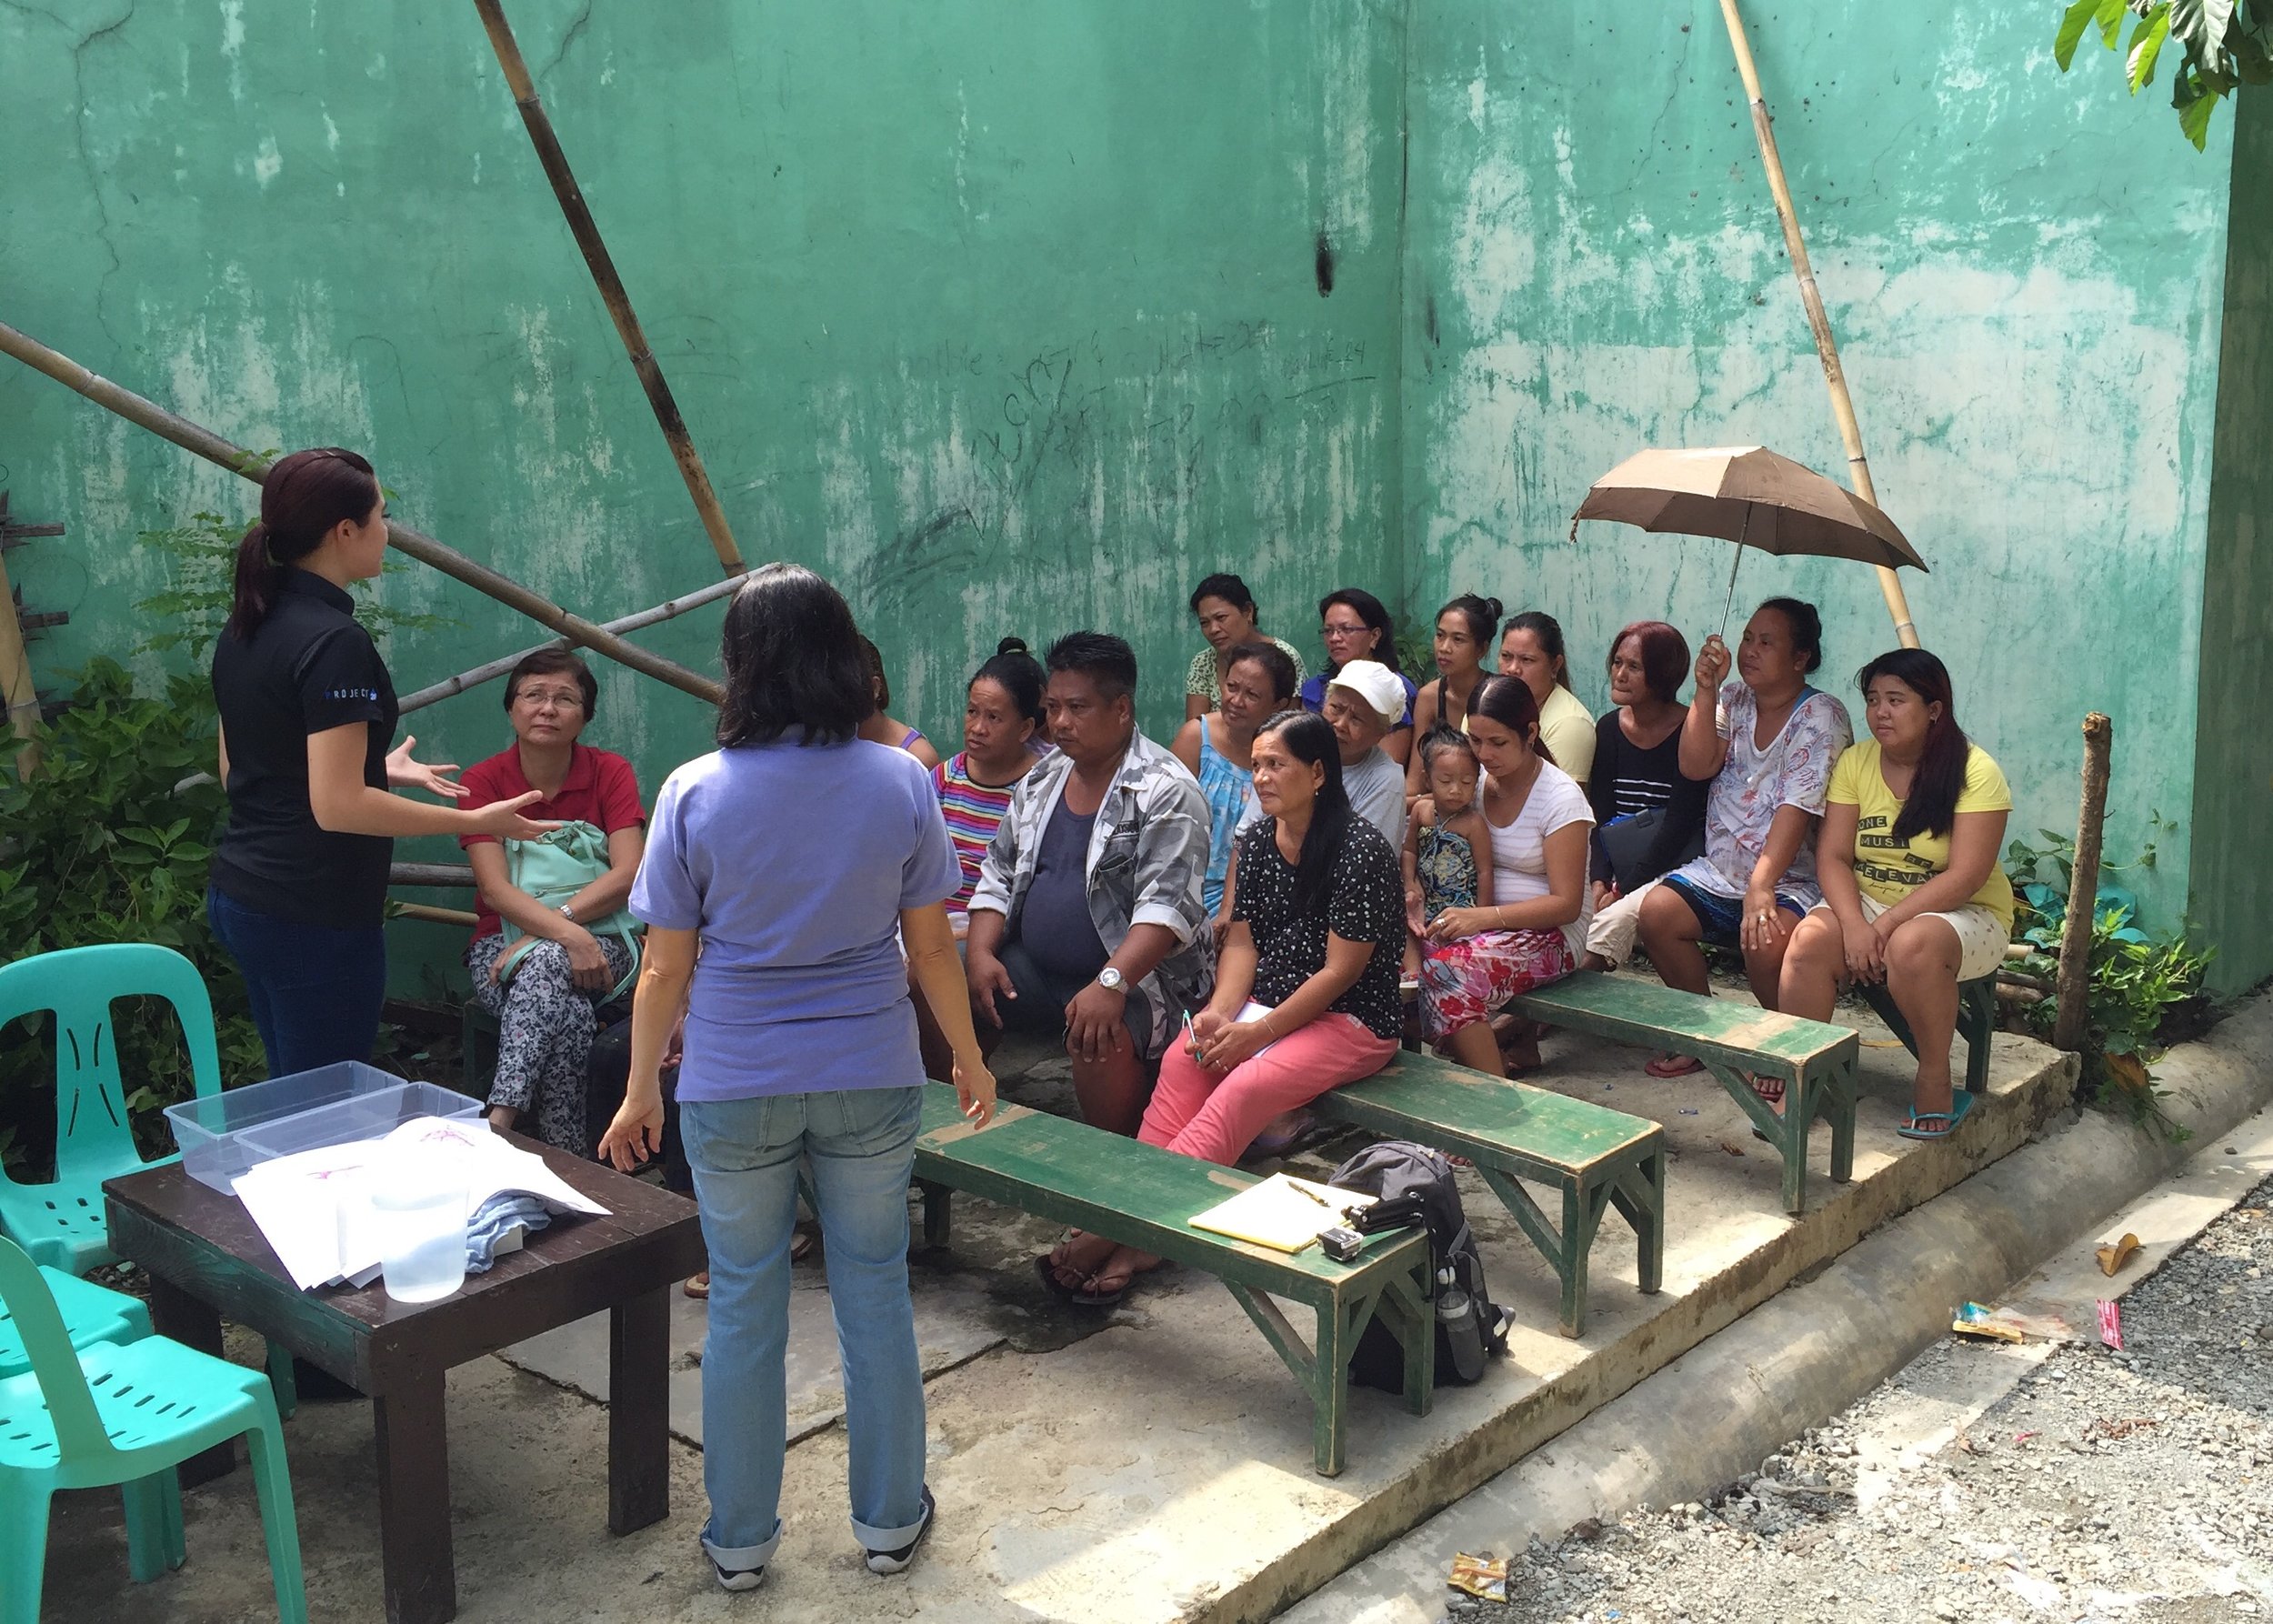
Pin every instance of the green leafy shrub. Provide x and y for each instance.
(2144, 989)
(99, 845)
(195, 604)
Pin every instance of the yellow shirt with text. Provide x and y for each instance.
(1887, 869)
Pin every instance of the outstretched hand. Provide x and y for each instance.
(403, 773)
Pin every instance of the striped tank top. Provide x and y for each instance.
(974, 812)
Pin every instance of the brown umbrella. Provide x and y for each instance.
(1751, 495)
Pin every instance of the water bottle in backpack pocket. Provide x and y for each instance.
(1470, 1328)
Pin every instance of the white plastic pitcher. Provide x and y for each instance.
(421, 1219)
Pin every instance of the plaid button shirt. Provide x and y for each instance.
(1147, 857)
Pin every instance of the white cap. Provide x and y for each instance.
(1381, 689)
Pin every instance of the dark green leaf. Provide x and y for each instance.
(2200, 26)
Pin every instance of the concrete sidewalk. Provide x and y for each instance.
(1154, 1466)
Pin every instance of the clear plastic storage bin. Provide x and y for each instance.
(224, 1134)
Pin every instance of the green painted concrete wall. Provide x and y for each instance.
(1010, 318)
(2024, 273)
(2231, 883)
(1006, 316)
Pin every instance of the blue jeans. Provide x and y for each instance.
(744, 1155)
(316, 990)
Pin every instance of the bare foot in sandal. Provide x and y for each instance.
(1670, 1065)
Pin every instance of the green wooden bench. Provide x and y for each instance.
(1977, 1019)
(1145, 1196)
(1594, 1156)
(1817, 1061)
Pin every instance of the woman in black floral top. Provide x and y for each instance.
(1306, 988)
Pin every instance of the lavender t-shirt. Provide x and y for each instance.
(795, 862)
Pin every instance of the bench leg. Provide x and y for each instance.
(1787, 1130)
(1323, 1371)
(1583, 1206)
(1976, 1019)
(1553, 1246)
(1839, 1091)
(1405, 1308)
(938, 1212)
(1640, 1194)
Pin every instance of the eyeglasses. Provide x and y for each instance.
(562, 697)
(1354, 629)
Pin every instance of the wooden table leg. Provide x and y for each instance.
(414, 1500)
(639, 1412)
(194, 1323)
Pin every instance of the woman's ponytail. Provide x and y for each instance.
(305, 496)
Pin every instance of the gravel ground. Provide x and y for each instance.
(2133, 1487)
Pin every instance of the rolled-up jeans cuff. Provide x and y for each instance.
(741, 1559)
(884, 1538)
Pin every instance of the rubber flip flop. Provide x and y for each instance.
(1672, 1066)
(1956, 1114)
(1079, 1298)
(698, 1287)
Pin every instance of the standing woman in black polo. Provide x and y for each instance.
(308, 714)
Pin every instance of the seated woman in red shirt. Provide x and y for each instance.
(545, 1011)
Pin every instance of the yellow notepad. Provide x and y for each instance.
(1281, 1213)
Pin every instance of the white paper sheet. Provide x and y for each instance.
(314, 1207)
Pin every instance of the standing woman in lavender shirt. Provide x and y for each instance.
(789, 857)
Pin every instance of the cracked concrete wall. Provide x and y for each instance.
(1011, 319)
(2024, 271)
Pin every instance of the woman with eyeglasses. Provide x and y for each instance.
(1355, 626)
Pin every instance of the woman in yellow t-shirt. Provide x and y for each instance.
(1912, 894)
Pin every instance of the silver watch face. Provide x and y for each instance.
(1109, 978)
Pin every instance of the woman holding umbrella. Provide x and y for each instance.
(1768, 741)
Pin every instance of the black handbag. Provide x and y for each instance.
(1623, 848)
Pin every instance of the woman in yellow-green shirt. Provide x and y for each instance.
(1912, 893)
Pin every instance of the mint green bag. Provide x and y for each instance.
(553, 869)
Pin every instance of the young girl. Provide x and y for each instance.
(1447, 844)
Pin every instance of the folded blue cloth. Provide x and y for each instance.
(494, 1219)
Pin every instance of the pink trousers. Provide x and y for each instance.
(1215, 1116)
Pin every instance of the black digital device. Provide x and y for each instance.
(1341, 1243)
(1397, 1212)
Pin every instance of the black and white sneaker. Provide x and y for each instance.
(897, 1561)
(736, 1578)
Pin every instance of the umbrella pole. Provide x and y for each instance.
(1826, 345)
(1729, 607)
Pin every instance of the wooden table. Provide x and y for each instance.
(208, 1259)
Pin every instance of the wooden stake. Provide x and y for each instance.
(1826, 345)
(439, 916)
(497, 668)
(2083, 889)
(611, 286)
(204, 443)
(15, 679)
(431, 874)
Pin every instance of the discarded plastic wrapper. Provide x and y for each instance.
(2008, 1325)
(2111, 1326)
(1482, 1577)
(2117, 1253)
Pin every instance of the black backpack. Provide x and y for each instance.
(1398, 1168)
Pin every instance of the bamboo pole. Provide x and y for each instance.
(431, 874)
(204, 443)
(493, 669)
(1819, 321)
(611, 286)
(2083, 889)
(438, 916)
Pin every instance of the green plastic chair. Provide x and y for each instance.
(62, 1224)
(128, 1415)
(91, 1313)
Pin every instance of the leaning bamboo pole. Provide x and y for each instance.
(1826, 345)
(204, 443)
(491, 670)
(611, 286)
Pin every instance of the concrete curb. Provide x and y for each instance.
(1797, 1360)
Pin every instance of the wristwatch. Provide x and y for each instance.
(569, 912)
(1111, 980)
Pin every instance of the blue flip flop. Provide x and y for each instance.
(1958, 1106)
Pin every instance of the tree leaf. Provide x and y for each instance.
(2110, 20)
(2194, 119)
(2072, 26)
(2200, 26)
(2146, 42)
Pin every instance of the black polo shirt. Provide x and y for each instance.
(309, 668)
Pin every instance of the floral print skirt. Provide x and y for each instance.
(1463, 982)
